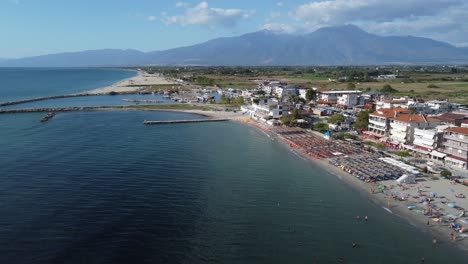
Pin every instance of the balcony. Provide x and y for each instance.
(456, 138)
(454, 144)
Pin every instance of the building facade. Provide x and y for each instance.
(455, 145)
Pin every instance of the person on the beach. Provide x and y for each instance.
(358, 217)
(354, 245)
(452, 235)
(423, 259)
(365, 218)
(434, 241)
(427, 223)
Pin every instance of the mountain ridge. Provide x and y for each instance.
(341, 45)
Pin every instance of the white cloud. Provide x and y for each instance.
(151, 18)
(210, 17)
(333, 12)
(280, 4)
(439, 19)
(279, 27)
(16, 2)
(181, 4)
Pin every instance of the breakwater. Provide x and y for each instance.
(61, 97)
(184, 121)
(44, 98)
(56, 109)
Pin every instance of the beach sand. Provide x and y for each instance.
(133, 84)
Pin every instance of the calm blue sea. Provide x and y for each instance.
(25, 83)
(100, 187)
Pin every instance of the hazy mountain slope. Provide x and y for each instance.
(342, 45)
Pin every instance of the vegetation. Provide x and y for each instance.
(387, 88)
(403, 154)
(446, 174)
(342, 136)
(290, 119)
(362, 120)
(236, 101)
(321, 127)
(336, 119)
(310, 95)
(351, 86)
(375, 145)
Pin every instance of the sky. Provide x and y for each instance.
(37, 27)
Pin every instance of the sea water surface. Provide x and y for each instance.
(100, 187)
(26, 83)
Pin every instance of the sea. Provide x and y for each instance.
(101, 187)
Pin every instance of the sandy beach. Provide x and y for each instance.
(133, 84)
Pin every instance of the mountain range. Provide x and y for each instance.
(342, 45)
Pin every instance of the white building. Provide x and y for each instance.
(437, 107)
(402, 126)
(393, 103)
(428, 139)
(348, 100)
(379, 121)
(267, 109)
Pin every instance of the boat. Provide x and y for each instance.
(47, 117)
(460, 195)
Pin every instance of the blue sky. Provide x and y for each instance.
(33, 27)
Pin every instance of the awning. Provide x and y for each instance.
(455, 160)
(438, 154)
(421, 151)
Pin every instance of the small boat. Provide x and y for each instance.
(460, 195)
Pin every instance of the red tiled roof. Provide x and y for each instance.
(414, 118)
(451, 116)
(459, 130)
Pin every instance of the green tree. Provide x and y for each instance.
(295, 114)
(446, 174)
(336, 119)
(387, 88)
(321, 127)
(310, 95)
(351, 86)
(362, 120)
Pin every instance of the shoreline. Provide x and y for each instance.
(396, 209)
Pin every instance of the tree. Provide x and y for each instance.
(336, 119)
(321, 127)
(351, 86)
(387, 88)
(310, 94)
(362, 120)
(295, 114)
(446, 174)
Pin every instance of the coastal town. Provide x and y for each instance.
(408, 153)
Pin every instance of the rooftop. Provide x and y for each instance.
(390, 112)
(459, 130)
(414, 118)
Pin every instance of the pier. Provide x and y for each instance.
(185, 121)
